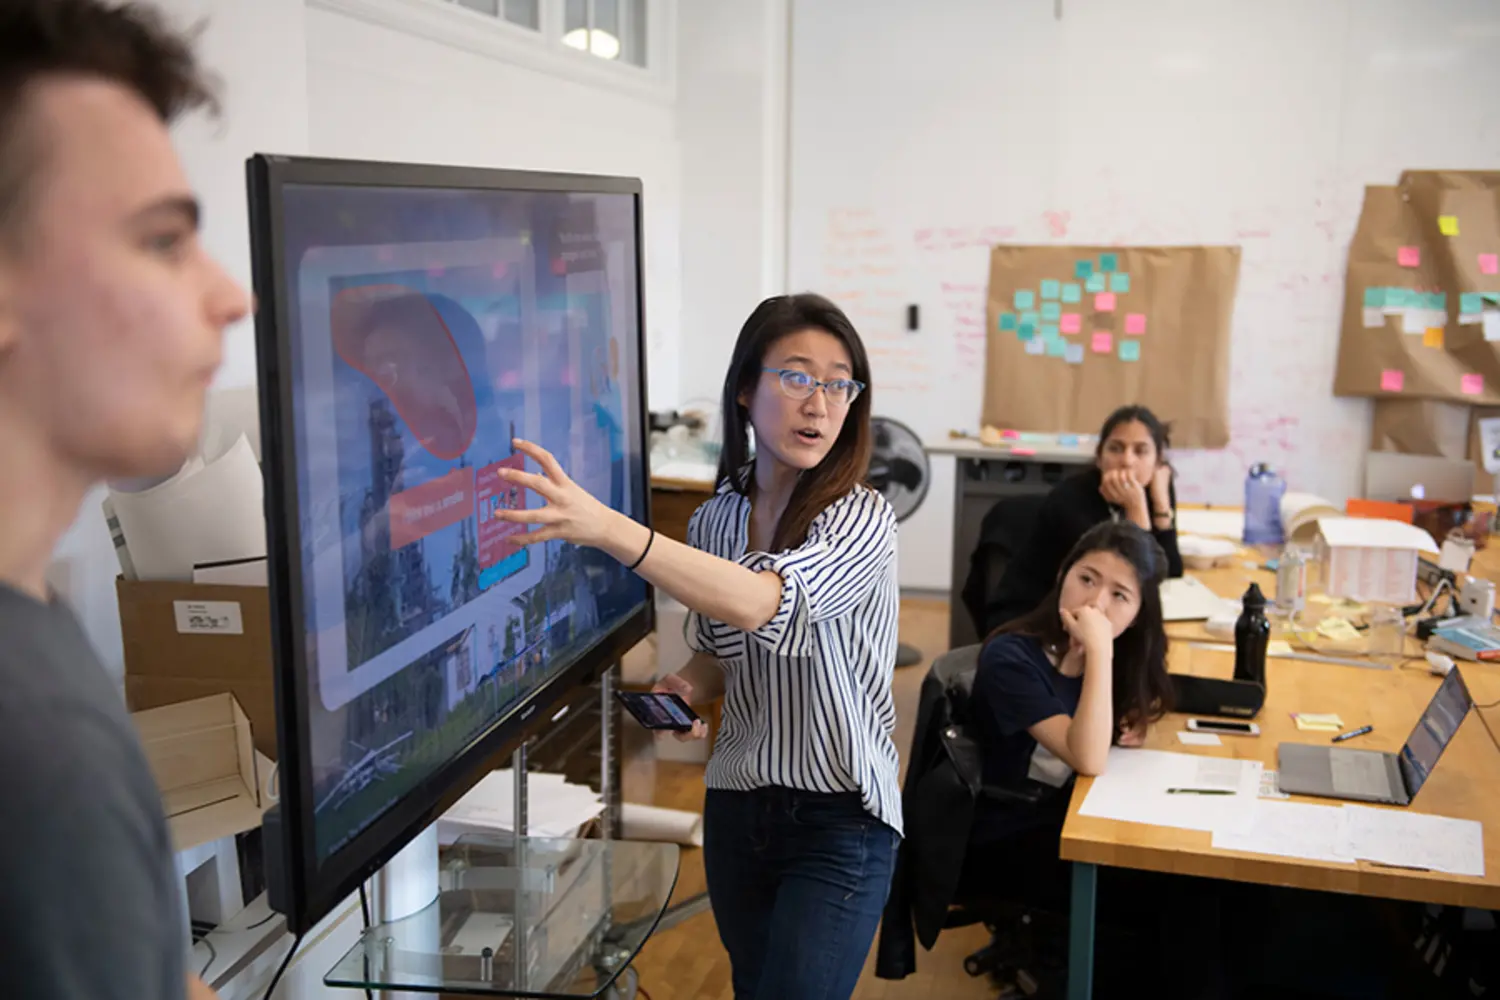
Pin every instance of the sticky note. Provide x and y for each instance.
(1031, 317)
(1448, 225)
(1391, 380)
(1026, 332)
(1278, 647)
(1057, 348)
(1135, 323)
(1374, 298)
(1071, 323)
(1036, 346)
(1409, 256)
(1104, 302)
(1072, 292)
(1048, 331)
(1471, 385)
(1109, 263)
(1083, 269)
(1489, 263)
(1374, 318)
(1073, 354)
(1102, 343)
(1491, 320)
(1025, 299)
(1437, 301)
(1130, 350)
(1095, 283)
(1119, 282)
(1051, 289)
(1470, 303)
(1318, 722)
(1051, 310)
(1007, 321)
(1433, 337)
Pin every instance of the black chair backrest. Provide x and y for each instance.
(1001, 534)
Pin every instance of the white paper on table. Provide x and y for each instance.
(1290, 830)
(1199, 739)
(1213, 523)
(554, 807)
(215, 514)
(1414, 840)
(1133, 789)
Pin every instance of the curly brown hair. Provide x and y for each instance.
(132, 45)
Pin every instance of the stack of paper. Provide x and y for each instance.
(554, 807)
(1290, 830)
(1186, 791)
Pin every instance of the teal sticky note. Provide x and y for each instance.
(1437, 300)
(1095, 283)
(1109, 263)
(1031, 317)
(1025, 299)
(1049, 331)
(1083, 268)
(1052, 311)
(1057, 348)
(1026, 332)
(1119, 282)
(1398, 298)
(1007, 321)
(1051, 289)
(1374, 298)
(1130, 350)
(1493, 297)
(1470, 303)
(1072, 292)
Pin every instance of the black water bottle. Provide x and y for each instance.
(1252, 635)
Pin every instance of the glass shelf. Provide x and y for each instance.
(577, 910)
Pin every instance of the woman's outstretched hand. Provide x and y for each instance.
(571, 513)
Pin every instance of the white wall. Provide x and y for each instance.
(378, 93)
(731, 123)
(257, 50)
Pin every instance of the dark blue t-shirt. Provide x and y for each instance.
(1016, 687)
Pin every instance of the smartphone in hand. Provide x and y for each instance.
(659, 710)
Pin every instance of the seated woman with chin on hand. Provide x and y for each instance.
(1131, 481)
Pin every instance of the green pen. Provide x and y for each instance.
(1200, 791)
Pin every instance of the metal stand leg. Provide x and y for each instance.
(520, 947)
(1081, 931)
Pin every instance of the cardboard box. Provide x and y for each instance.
(185, 641)
(202, 756)
(1371, 560)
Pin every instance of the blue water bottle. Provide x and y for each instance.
(1263, 492)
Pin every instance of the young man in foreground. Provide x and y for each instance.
(111, 322)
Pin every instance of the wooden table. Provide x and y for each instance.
(1463, 785)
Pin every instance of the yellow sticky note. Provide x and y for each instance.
(1433, 337)
(1448, 225)
(1318, 723)
(1338, 630)
(1278, 647)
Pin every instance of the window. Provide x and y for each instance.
(526, 13)
(609, 29)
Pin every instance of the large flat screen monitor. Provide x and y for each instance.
(412, 321)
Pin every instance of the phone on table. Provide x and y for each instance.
(659, 710)
(1223, 727)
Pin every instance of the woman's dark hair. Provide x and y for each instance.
(847, 462)
(1142, 691)
(1161, 434)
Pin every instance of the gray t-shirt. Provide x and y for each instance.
(88, 899)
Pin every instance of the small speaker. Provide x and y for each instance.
(1213, 696)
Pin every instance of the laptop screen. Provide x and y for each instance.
(1434, 730)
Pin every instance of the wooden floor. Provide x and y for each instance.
(687, 961)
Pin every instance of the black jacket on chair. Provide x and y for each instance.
(943, 782)
(1002, 534)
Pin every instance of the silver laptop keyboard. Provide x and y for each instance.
(1359, 772)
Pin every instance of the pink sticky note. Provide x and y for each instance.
(1023, 452)
(1104, 302)
(1135, 323)
(1409, 256)
(1010, 435)
(1391, 380)
(1071, 323)
(1489, 263)
(1471, 385)
(1103, 342)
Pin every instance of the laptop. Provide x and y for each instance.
(1391, 476)
(1373, 776)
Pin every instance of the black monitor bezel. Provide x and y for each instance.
(312, 890)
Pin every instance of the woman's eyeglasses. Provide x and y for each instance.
(800, 385)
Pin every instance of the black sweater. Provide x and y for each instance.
(1073, 507)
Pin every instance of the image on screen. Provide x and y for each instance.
(428, 328)
(1444, 714)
